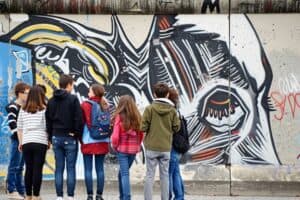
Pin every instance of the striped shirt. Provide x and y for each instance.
(33, 127)
(12, 115)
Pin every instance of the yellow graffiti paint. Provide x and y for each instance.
(47, 76)
(60, 41)
(36, 27)
(95, 76)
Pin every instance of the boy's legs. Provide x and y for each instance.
(71, 149)
(15, 169)
(59, 154)
(164, 161)
(151, 163)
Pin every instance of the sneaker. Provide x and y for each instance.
(15, 195)
(90, 197)
(99, 197)
(59, 198)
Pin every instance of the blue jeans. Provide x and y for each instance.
(175, 181)
(88, 173)
(15, 180)
(125, 161)
(65, 151)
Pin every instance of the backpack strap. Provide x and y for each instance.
(93, 103)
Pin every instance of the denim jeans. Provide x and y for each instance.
(125, 162)
(88, 173)
(152, 159)
(15, 180)
(175, 181)
(65, 151)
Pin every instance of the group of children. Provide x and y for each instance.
(37, 123)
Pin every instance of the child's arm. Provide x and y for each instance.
(20, 125)
(146, 120)
(12, 112)
(176, 123)
(115, 137)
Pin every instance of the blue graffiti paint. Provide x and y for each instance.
(15, 66)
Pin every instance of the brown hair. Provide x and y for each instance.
(174, 96)
(161, 90)
(129, 113)
(99, 92)
(20, 88)
(44, 91)
(65, 80)
(35, 101)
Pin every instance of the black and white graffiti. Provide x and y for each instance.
(223, 85)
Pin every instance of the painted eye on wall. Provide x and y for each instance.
(221, 111)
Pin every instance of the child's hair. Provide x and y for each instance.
(129, 113)
(161, 90)
(65, 80)
(99, 92)
(44, 91)
(20, 88)
(35, 101)
(174, 96)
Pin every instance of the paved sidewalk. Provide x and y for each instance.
(157, 197)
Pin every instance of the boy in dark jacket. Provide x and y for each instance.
(64, 126)
(159, 122)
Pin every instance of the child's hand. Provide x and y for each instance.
(20, 147)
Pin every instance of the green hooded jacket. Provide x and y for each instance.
(159, 122)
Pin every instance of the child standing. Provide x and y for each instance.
(64, 126)
(126, 140)
(175, 179)
(159, 122)
(33, 140)
(97, 149)
(15, 183)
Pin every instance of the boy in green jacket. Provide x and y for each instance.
(159, 122)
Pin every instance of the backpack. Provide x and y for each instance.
(100, 122)
(181, 141)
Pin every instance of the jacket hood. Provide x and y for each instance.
(60, 94)
(162, 106)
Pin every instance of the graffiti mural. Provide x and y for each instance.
(223, 91)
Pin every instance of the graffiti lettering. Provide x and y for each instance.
(211, 4)
(286, 102)
(43, 55)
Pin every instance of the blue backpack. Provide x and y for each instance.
(100, 122)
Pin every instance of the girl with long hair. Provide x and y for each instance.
(96, 149)
(126, 140)
(176, 185)
(33, 139)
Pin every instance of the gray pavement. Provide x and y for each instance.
(157, 197)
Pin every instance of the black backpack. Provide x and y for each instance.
(181, 141)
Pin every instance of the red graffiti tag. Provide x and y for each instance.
(285, 103)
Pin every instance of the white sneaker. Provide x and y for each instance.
(15, 195)
(59, 198)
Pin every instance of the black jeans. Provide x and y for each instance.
(34, 155)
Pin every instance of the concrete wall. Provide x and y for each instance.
(148, 6)
(238, 80)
